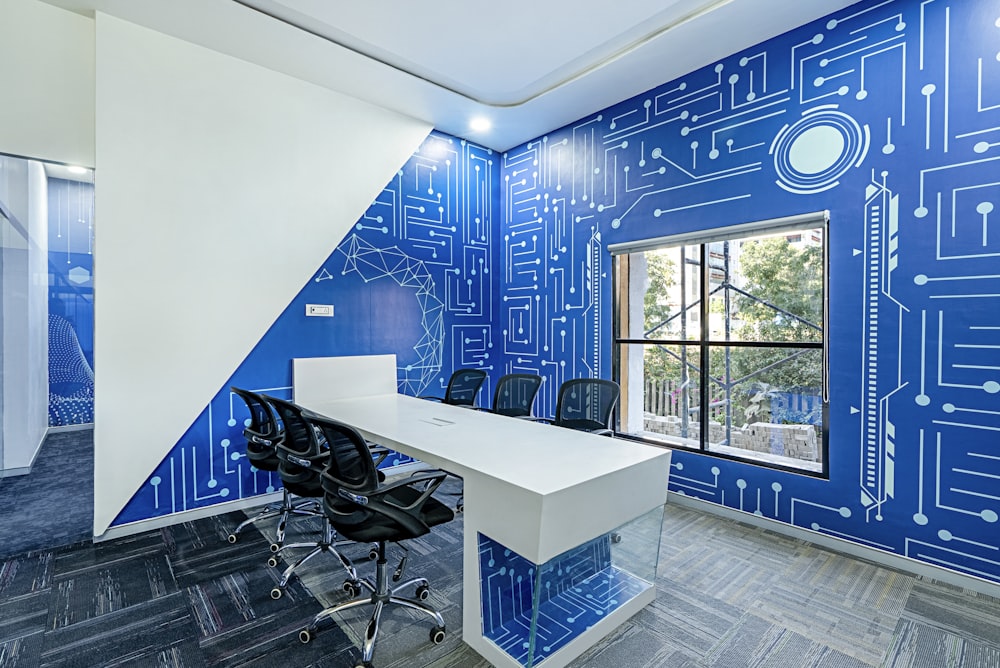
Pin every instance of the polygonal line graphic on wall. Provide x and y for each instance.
(373, 263)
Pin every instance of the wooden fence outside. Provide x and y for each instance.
(665, 397)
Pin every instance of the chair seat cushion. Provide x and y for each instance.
(312, 488)
(263, 461)
(368, 527)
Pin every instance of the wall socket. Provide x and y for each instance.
(322, 310)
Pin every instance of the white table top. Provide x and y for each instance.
(536, 457)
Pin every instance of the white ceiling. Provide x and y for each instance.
(529, 66)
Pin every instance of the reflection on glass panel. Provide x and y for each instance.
(767, 287)
(668, 281)
(773, 409)
(670, 394)
(531, 611)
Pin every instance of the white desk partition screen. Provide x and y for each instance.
(330, 378)
(561, 528)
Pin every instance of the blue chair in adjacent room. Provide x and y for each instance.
(362, 508)
(263, 435)
(463, 388)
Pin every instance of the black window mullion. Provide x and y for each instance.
(703, 349)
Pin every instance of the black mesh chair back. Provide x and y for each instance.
(587, 404)
(515, 394)
(463, 386)
(301, 454)
(351, 464)
(263, 433)
(363, 509)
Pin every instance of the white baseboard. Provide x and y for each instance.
(185, 516)
(887, 559)
(25, 470)
(71, 427)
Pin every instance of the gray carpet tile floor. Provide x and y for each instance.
(728, 595)
(54, 504)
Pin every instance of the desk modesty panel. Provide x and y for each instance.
(565, 498)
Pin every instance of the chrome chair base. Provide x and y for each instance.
(289, 506)
(380, 596)
(327, 544)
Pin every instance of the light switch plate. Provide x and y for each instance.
(322, 310)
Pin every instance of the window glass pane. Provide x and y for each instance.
(667, 283)
(763, 396)
(670, 393)
(767, 288)
(771, 409)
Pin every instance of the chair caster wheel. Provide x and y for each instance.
(616, 538)
(274, 547)
(423, 593)
(305, 635)
(459, 507)
(233, 538)
(372, 554)
(272, 561)
(437, 635)
(276, 593)
(351, 588)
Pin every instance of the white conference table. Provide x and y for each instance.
(529, 488)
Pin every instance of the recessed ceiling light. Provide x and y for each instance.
(480, 124)
(73, 169)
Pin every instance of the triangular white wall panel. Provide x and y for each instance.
(221, 188)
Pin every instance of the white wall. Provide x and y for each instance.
(24, 369)
(47, 83)
(221, 187)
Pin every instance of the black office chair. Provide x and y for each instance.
(463, 386)
(515, 393)
(587, 404)
(303, 455)
(363, 509)
(263, 435)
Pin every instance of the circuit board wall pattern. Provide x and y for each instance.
(887, 114)
(412, 278)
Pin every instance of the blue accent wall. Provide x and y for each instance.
(413, 277)
(71, 302)
(888, 115)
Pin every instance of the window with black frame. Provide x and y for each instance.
(720, 341)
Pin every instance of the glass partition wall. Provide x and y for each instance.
(46, 305)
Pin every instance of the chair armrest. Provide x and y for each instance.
(430, 398)
(432, 479)
(603, 432)
(379, 501)
(409, 521)
(379, 453)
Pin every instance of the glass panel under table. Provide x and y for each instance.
(530, 611)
